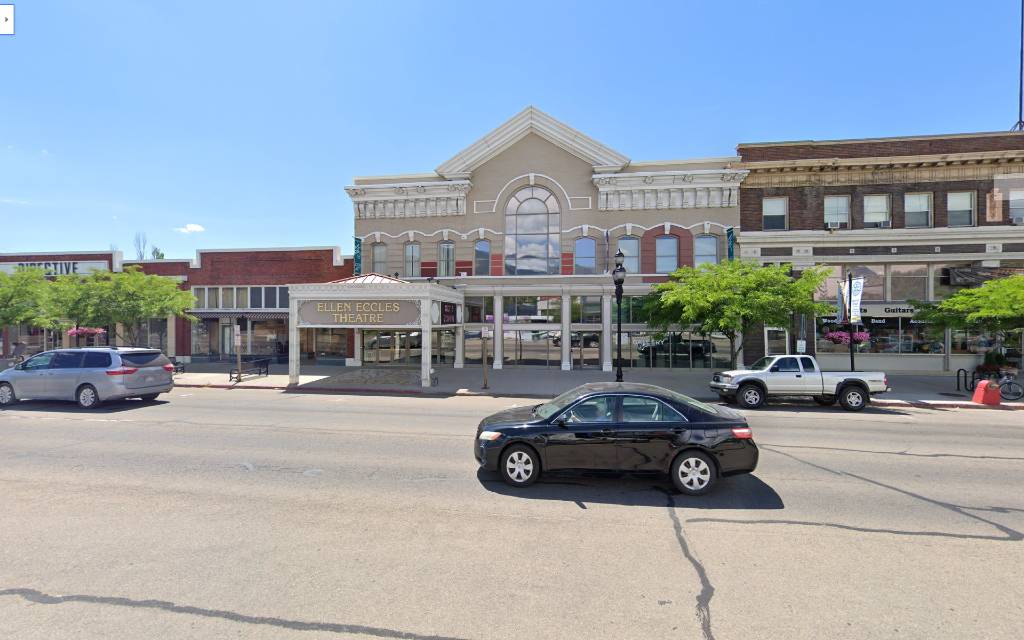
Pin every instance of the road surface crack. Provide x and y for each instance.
(707, 590)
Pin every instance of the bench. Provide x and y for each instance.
(259, 367)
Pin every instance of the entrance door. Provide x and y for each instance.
(227, 339)
(776, 341)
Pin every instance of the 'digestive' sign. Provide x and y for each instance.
(354, 313)
(58, 267)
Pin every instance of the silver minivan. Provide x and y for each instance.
(88, 376)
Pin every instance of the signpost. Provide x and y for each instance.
(484, 334)
(238, 350)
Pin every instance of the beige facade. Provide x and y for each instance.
(537, 209)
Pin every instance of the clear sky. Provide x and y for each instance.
(249, 118)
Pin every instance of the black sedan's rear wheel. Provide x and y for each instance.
(519, 466)
(693, 473)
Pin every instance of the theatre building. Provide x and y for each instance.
(523, 224)
(918, 218)
(247, 288)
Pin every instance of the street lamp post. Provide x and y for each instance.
(618, 277)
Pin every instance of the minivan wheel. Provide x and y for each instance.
(87, 397)
(693, 473)
(149, 397)
(519, 466)
(750, 396)
(853, 398)
(7, 396)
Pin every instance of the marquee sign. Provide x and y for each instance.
(58, 267)
(359, 313)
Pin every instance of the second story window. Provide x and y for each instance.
(412, 260)
(837, 210)
(446, 259)
(960, 208)
(917, 210)
(1017, 206)
(379, 258)
(774, 212)
(876, 211)
(585, 257)
(532, 226)
(630, 247)
(482, 258)
(666, 254)
(705, 250)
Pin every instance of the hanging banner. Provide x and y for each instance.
(730, 236)
(357, 257)
(853, 300)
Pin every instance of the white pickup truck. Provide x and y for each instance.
(798, 375)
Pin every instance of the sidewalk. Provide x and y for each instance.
(915, 390)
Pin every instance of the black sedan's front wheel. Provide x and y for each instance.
(519, 466)
(693, 473)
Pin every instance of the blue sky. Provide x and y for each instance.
(249, 118)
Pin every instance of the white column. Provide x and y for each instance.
(248, 336)
(426, 347)
(606, 333)
(566, 335)
(293, 341)
(460, 347)
(499, 333)
(172, 336)
(357, 349)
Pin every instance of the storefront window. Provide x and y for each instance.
(829, 290)
(270, 338)
(918, 337)
(153, 334)
(586, 309)
(533, 308)
(890, 335)
(331, 344)
(885, 335)
(201, 337)
(874, 280)
(909, 281)
(971, 342)
(478, 308)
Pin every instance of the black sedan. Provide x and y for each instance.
(621, 427)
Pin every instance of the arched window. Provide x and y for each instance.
(379, 258)
(446, 259)
(630, 247)
(666, 254)
(412, 260)
(532, 233)
(585, 260)
(482, 258)
(705, 249)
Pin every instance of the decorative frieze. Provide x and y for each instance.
(409, 200)
(824, 175)
(701, 188)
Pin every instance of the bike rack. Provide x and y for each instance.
(969, 383)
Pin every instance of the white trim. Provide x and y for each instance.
(532, 176)
(532, 120)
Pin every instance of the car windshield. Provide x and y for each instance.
(762, 363)
(549, 409)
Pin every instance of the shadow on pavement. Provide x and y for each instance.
(51, 406)
(745, 491)
(810, 407)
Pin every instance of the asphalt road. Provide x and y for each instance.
(263, 515)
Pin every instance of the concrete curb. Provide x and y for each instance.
(917, 404)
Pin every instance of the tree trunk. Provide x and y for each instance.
(733, 351)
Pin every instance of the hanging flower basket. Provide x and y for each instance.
(86, 331)
(843, 337)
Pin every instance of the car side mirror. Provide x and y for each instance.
(560, 422)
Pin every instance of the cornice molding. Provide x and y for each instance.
(409, 199)
(697, 188)
(532, 120)
(884, 237)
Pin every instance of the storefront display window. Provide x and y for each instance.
(533, 308)
(908, 281)
(586, 309)
(971, 342)
(270, 338)
(874, 280)
(201, 343)
(885, 335)
(889, 335)
(478, 308)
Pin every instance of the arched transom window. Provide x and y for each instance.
(531, 233)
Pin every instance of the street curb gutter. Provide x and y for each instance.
(917, 404)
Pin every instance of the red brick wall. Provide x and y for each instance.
(875, 148)
(567, 263)
(648, 251)
(497, 264)
(268, 267)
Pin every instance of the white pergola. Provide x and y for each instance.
(373, 301)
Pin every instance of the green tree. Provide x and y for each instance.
(996, 306)
(70, 302)
(734, 297)
(131, 298)
(23, 296)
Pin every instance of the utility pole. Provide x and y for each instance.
(1020, 80)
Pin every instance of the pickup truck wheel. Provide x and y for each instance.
(825, 401)
(853, 398)
(750, 396)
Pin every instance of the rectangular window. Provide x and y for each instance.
(255, 297)
(1017, 205)
(666, 254)
(705, 249)
(908, 281)
(876, 210)
(412, 260)
(282, 297)
(829, 290)
(630, 247)
(885, 334)
(960, 208)
(837, 209)
(917, 210)
(874, 280)
(379, 258)
(227, 297)
(270, 297)
(212, 298)
(446, 260)
(200, 296)
(773, 213)
(241, 297)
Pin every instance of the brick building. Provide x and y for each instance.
(917, 217)
(243, 287)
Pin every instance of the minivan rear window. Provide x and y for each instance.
(96, 360)
(144, 359)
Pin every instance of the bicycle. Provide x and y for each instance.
(1009, 388)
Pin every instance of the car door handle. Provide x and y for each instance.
(799, 376)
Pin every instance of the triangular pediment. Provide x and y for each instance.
(532, 120)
